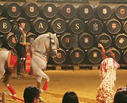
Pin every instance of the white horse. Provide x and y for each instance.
(43, 46)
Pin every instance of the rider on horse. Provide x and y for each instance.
(20, 34)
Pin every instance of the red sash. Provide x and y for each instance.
(28, 62)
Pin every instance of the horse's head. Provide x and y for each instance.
(46, 44)
(53, 45)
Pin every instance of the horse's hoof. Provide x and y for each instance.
(14, 96)
(41, 90)
(41, 100)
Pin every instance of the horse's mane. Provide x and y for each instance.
(39, 38)
(39, 43)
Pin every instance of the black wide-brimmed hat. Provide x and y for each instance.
(21, 19)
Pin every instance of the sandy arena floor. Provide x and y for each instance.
(83, 82)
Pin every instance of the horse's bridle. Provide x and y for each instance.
(50, 51)
(45, 56)
(50, 45)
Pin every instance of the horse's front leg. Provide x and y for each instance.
(41, 75)
(37, 64)
(6, 82)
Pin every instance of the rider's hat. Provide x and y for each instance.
(21, 19)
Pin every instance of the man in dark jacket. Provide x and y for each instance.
(21, 42)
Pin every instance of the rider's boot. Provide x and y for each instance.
(20, 67)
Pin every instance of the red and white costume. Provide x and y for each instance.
(105, 92)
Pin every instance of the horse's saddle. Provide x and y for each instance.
(13, 58)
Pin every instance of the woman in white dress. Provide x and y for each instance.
(108, 68)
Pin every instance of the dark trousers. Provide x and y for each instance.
(21, 52)
(20, 66)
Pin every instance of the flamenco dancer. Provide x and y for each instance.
(108, 66)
